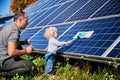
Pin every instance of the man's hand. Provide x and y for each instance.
(29, 49)
(13, 51)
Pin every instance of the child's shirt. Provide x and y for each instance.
(53, 45)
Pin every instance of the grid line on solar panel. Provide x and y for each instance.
(40, 16)
(38, 8)
(115, 47)
(40, 24)
(112, 8)
(28, 33)
(114, 53)
(73, 8)
(87, 10)
(45, 6)
(41, 10)
(54, 20)
(53, 3)
(34, 20)
(100, 8)
(35, 6)
(59, 10)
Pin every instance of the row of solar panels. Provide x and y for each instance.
(105, 41)
(72, 16)
(62, 11)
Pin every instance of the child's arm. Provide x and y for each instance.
(58, 43)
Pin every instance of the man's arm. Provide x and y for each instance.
(14, 52)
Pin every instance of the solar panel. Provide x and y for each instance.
(72, 16)
(106, 32)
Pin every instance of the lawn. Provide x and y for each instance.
(70, 69)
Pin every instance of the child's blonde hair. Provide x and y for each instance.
(50, 32)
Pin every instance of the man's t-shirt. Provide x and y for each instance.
(10, 33)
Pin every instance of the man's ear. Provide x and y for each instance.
(20, 20)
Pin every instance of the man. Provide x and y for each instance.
(10, 52)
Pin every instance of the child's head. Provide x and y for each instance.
(51, 32)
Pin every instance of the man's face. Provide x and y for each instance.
(24, 21)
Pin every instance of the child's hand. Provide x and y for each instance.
(69, 42)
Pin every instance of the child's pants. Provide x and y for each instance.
(50, 63)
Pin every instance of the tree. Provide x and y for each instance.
(19, 5)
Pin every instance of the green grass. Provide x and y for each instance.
(71, 70)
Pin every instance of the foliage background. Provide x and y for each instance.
(19, 5)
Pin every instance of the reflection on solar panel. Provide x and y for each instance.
(72, 16)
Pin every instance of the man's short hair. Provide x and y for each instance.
(19, 14)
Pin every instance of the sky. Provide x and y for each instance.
(4, 7)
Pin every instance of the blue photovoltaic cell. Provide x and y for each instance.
(111, 8)
(42, 16)
(66, 14)
(40, 5)
(30, 16)
(87, 10)
(52, 3)
(35, 19)
(53, 15)
(28, 33)
(115, 51)
(37, 6)
(106, 32)
(62, 1)
(40, 42)
(30, 8)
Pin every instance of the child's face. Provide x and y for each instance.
(56, 34)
